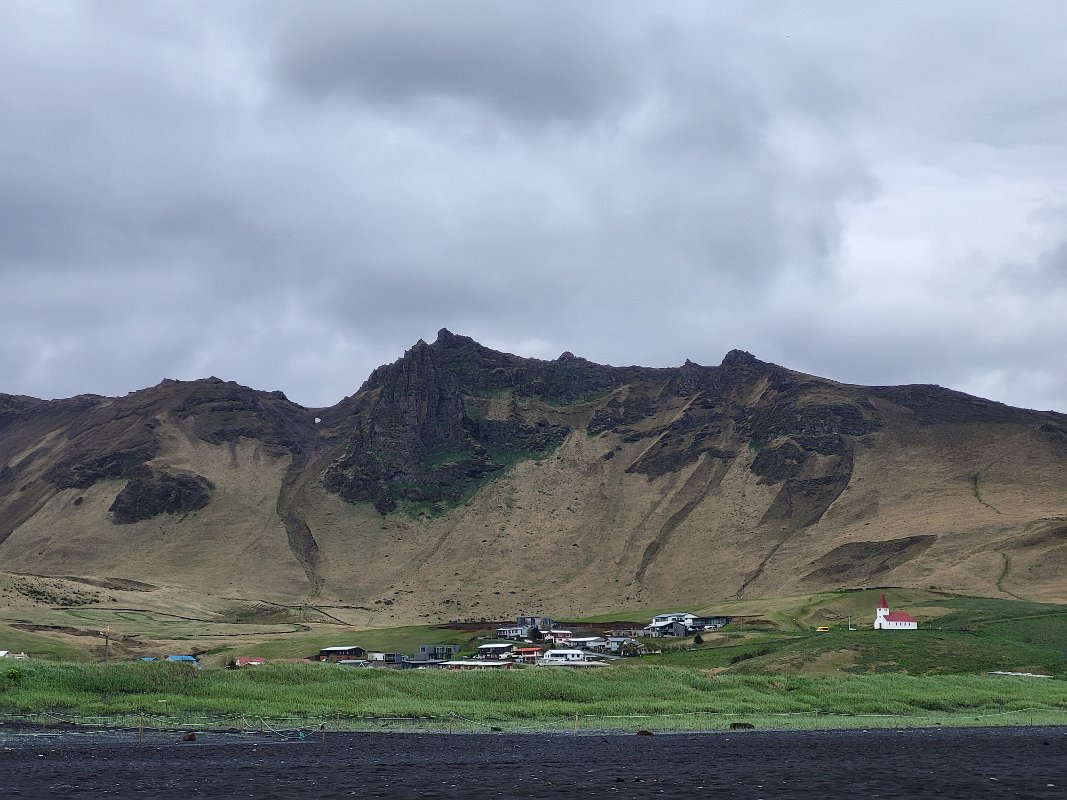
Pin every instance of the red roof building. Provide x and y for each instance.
(886, 620)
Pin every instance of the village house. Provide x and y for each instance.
(658, 629)
(513, 632)
(541, 623)
(886, 620)
(683, 617)
(625, 646)
(249, 661)
(664, 624)
(626, 632)
(568, 658)
(681, 623)
(387, 660)
(557, 635)
(435, 652)
(495, 650)
(596, 643)
(339, 653)
(526, 655)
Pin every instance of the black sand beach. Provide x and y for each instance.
(945, 763)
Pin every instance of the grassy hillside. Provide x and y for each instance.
(957, 635)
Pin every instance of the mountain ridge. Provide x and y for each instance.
(645, 484)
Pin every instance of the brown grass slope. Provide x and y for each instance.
(464, 483)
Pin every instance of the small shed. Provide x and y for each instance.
(183, 659)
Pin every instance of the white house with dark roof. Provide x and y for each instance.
(568, 658)
(495, 650)
(674, 616)
(513, 632)
(598, 643)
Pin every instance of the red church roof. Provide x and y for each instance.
(894, 616)
(899, 616)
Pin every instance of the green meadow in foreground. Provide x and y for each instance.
(770, 668)
(548, 695)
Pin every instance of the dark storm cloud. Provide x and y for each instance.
(519, 60)
(289, 195)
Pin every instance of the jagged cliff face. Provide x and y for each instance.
(462, 482)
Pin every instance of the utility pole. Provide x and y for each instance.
(106, 633)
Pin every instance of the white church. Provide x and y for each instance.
(886, 620)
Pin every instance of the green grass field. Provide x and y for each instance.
(957, 635)
(632, 696)
(41, 646)
(770, 667)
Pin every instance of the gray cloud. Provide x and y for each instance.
(288, 196)
(520, 61)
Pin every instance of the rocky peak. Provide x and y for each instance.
(445, 338)
(740, 358)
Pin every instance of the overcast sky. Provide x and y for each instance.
(289, 194)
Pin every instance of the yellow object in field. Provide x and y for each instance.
(823, 629)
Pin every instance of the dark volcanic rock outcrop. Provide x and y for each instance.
(151, 492)
(858, 562)
(424, 435)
